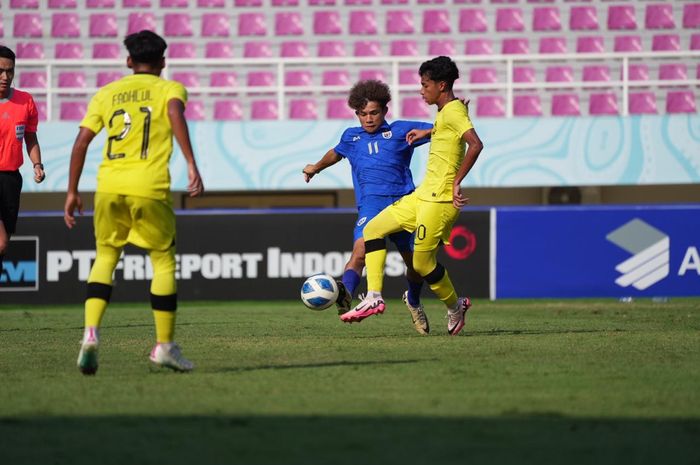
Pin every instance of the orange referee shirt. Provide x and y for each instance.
(18, 116)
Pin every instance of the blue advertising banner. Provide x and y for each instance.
(640, 251)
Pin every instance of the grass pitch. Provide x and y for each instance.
(545, 382)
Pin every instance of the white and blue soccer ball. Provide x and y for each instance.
(319, 291)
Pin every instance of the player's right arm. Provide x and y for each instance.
(176, 114)
(417, 134)
(329, 159)
(77, 161)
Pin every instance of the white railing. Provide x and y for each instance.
(280, 65)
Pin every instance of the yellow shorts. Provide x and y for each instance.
(143, 222)
(431, 221)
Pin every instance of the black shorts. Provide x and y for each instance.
(10, 188)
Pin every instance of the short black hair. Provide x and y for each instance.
(367, 91)
(6, 52)
(145, 47)
(439, 69)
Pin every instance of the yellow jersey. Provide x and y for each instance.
(446, 152)
(134, 111)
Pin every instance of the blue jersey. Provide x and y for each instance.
(380, 161)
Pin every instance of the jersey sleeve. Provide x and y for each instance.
(344, 147)
(457, 119)
(32, 116)
(176, 91)
(417, 125)
(93, 118)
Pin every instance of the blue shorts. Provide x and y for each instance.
(369, 209)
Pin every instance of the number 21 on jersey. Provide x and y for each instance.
(127, 123)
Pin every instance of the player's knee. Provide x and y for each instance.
(432, 274)
(372, 231)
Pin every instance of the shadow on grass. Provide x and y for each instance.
(292, 366)
(535, 439)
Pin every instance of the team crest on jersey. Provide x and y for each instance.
(387, 134)
(361, 221)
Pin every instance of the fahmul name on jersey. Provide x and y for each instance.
(385, 134)
(138, 95)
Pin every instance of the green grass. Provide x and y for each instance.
(545, 382)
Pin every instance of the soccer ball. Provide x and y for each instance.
(319, 292)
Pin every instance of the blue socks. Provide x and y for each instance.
(414, 292)
(351, 280)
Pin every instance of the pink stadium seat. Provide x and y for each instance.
(327, 23)
(65, 25)
(478, 47)
(481, 75)
(174, 3)
(559, 74)
(659, 16)
(32, 79)
(638, 72)
(552, 45)
(362, 23)
(414, 107)
(331, 48)
(695, 42)
(136, 3)
(261, 79)
(527, 105)
(285, 2)
(228, 110)
(24, 4)
(691, 15)
(436, 22)
(223, 79)
(41, 109)
(30, 50)
(375, 74)
(509, 20)
(188, 79)
(69, 51)
(603, 104)
(298, 78)
(194, 111)
(177, 25)
(103, 25)
(218, 50)
(404, 48)
(27, 25)
(514, 46)
(680, 101)
(100, 3)
(257, 50)
(288, 24)
(472, 20)
(335, 77)
(62, 4)
(215, 25)
(596, 73)
(394, 2)
(399, 22)
(583, 18)
(337, 108)
(409, 76)
(251, 24)
(72, 79)
(367, 48)
(357, 2)
(621, 17)
(140, 21)
(322, 2)
(211, 3)
(303, 109)
(105, 77)
(666, 42)
(628, 44)
(294, 49)
(248, 3)
(437, 47)
(106, 50)
(72, 111)
(546, 18)
(523, 74)
(490, 105)
(264, 109)
(590, 44)
(565, 105)
(182, 50)
(642, 103)
(673, 71)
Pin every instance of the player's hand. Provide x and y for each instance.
(39, 174)
(195, 186)
(73, 201)
(309, 172)
(416, 134)
(458, 201)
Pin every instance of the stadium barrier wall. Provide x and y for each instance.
(268, 156)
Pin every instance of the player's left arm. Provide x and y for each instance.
(31, 141)
(176, 114)
(474, 147)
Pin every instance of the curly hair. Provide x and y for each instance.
(440, 69)
(367, 91)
